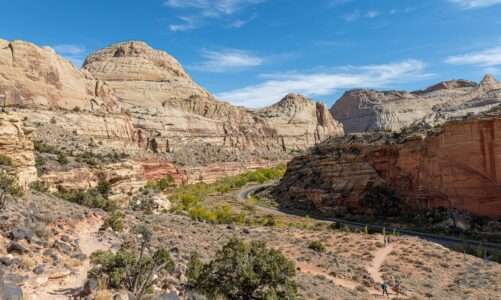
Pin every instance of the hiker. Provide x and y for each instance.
(385, 242)
(397, 286)
(384, 287)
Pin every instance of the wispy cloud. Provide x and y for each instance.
(74, 53)
(187, 23)
(325, 83)
(227, 60)
(475, 3)
(372, 14)
(485, 58)
(209, 9)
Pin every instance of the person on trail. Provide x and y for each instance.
(384, 287)
(397, 286)
(385, 242)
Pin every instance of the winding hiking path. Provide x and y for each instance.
(373, 269)
(56, 288)
(379, 258)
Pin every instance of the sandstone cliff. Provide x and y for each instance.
(31, 76)
(16, 144)
(172, 112)
(369, 110)
(457, 166)
(130, 100)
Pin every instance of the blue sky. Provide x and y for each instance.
(253, 52)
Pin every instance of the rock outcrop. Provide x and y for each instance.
(172, 112)
(16, 144)
(370, 110)
(135, 101)
(31, 76)
(456, 167)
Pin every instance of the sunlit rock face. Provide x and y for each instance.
(457, 166)
(31, 76)
(132, 99)
(171, 108)
(370, 110)
(16, 145)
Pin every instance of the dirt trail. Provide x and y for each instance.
(377, 262)
(58, 289)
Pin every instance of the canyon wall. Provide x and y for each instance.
(169, 108)
(370, 110)
(16, 144)
(458, 167)
(133, 101)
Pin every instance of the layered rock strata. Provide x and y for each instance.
(457, 166)
(16, 145)
(135, 101)
(370, 110)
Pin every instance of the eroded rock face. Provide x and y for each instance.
(16, 144)
(170, 108)
(369, 110)
(31, 76)
(134, 100)
(459, 168)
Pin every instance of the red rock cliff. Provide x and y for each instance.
(460, 167)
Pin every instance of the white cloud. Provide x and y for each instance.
(213, 7)
(188, 23)
(372, 14)
(324, 83)
(485, 58)
(201, 10)
(228, 60)
(74, 53)
(475, 3)
(356, 15)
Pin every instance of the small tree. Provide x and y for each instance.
(8, 183)
(136, 269)
(244, 271)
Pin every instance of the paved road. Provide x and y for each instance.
(248, 191)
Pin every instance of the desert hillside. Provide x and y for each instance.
(128, 180)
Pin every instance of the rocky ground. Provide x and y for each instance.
(45, 243)
(44, 252)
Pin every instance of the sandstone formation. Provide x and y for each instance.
(133, 101)
(31, 76)
(370, 110)
(457, 167)
(171, 111)
(16, 144)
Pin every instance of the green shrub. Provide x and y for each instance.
(9, 185)
(6, 161)
(244, 271)
(104, 187)
(39, 186)
(40, 162)
(93, 198)
(62, 159)
(317, 246)
(115, 221)
(136, 269)
(42, 147)
(160, 185)
(269, 221)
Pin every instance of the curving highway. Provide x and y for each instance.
(248, 191)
